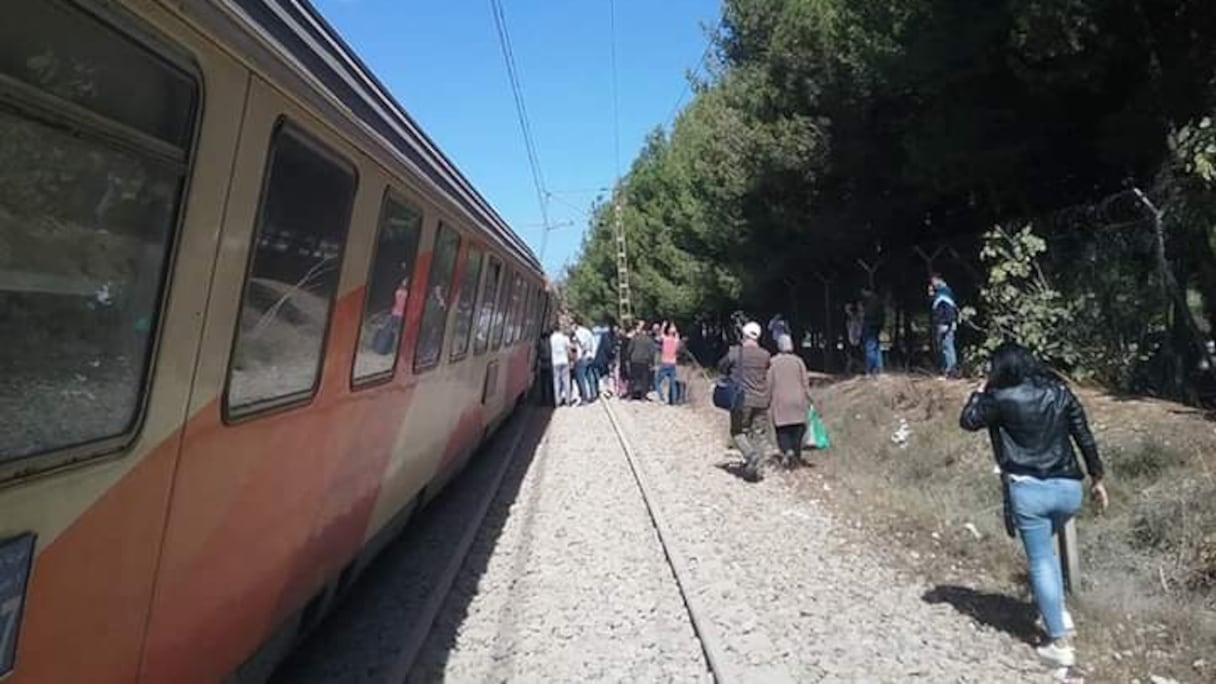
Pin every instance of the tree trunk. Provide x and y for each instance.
(1203, 259)
(1186, 340)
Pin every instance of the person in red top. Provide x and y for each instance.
(669, 348)
(388, 334)
(400, 297)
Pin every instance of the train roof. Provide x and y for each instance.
(313, 43)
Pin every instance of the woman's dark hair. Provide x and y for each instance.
(1013, 364)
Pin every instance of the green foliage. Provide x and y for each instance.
(1195, 148)
(1020, 304)
(828, 127)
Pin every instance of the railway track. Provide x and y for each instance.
(709, 642)
(600, 543)
(421, 629)
(531, 562)
(709, 637)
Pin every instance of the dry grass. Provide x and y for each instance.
(1147, 600)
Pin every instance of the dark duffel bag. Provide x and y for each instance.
(728, 395)
(383, 339)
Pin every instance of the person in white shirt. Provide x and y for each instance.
(559, 349)
(582, 367)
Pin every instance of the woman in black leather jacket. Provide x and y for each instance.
(1033, 420)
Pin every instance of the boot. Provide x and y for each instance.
(751, 471)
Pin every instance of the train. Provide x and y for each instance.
(252, 320)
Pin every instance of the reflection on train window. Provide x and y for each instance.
(438, 299)
(500, 311)
(542, 310)
(463, 327)
(86, 224)
(530, 313)
(524, 306)
(485, 313)
(62, 52)
(293, 276)
(516, 310)
(388, 291)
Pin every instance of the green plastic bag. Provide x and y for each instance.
(816, 433)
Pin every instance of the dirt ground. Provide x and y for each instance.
(925, 491)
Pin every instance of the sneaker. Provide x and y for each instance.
(1057, 653)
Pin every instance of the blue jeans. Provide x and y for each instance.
(945, 342)
(593, 378)
(1041, 507)
(873, 355)
(582, 375)
(667, 370)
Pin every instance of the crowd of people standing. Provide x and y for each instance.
(585, 364)
(865, 321)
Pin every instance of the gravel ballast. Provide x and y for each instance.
(576, 587)
(363, 639)
(567, 581)
(775, 564)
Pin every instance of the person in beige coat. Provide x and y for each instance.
(791, 399)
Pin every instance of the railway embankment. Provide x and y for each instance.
(924, 491)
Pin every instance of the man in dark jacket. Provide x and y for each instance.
(873, 317)
(641, 356)
(944, 313)
(748, 365)
(605, 350)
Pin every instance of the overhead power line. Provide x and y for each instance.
(581, 191)
(687, 89)
(521, 109)
(569, 205)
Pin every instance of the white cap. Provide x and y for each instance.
(752, 331)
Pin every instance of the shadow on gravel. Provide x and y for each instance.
(1010, 615)
(735, 468)
(369, 620)
(456, 606)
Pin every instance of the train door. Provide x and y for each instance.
(265, 433)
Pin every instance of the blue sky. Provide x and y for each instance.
(442, 60)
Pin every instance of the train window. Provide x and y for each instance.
(56, 50)
(388, 291)
(530, 317)
(515, 310)
(538, 316)
(519, 311)
(524, 310)
(500, 311)
(293, 276)
(485, 313)
(438, 299)
(546, 315)
(463, 327)
(524, 301)
(88, 208)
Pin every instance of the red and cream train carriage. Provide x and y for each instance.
(250, 316)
